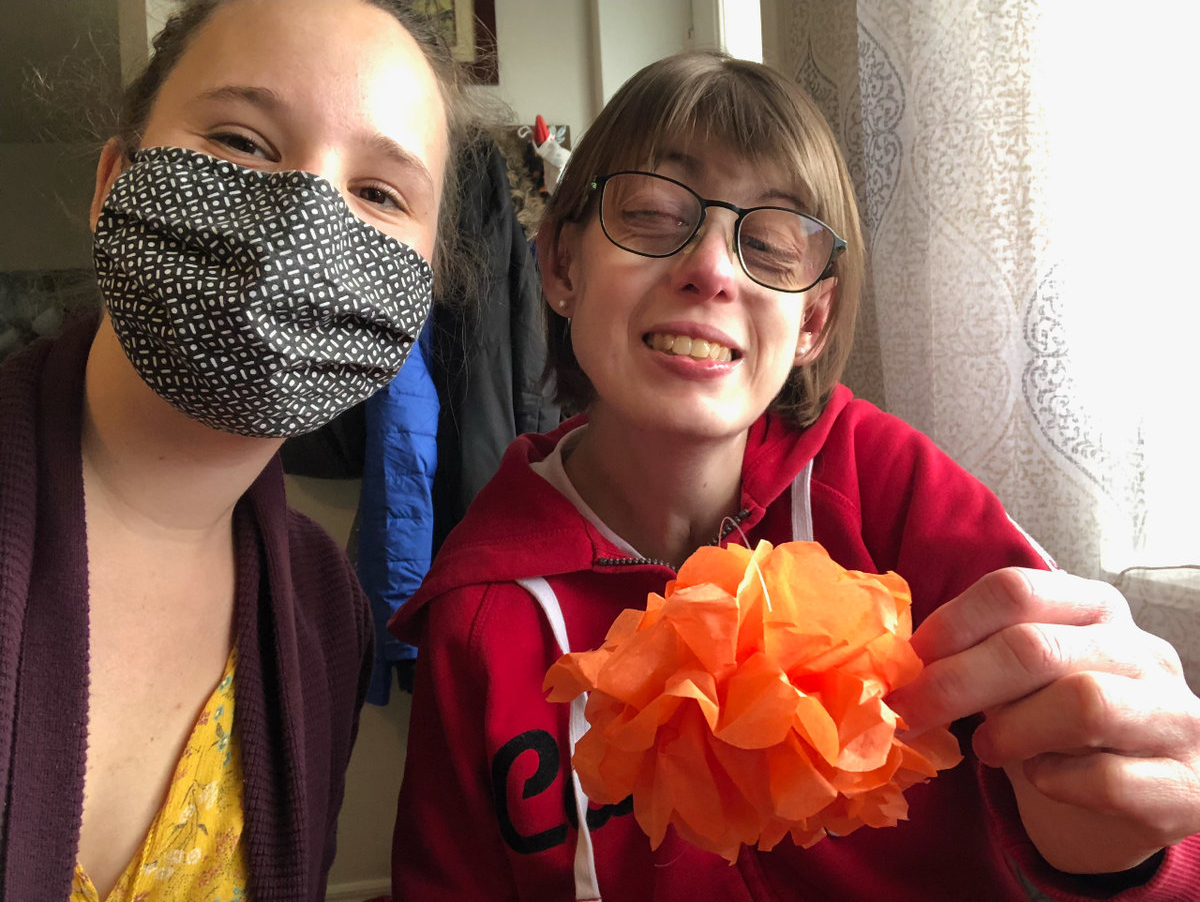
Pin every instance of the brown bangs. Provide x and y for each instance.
(705, 98)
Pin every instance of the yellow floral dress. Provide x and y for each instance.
(193, 849)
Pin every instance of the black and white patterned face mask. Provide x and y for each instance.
(254, 302)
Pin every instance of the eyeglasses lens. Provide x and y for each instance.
(783, 249)
(655, 217)
(648, 215)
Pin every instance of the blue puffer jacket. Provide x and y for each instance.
(486, 355)
(395, 540)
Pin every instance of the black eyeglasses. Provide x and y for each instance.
(655, 216)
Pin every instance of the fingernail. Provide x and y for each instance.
(983, 751)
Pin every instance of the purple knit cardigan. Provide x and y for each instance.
(302, 629)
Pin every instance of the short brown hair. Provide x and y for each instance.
(764, 118)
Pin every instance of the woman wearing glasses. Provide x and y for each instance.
(702, 259)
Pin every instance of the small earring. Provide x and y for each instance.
(562, 304)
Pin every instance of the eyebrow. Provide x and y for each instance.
(260, 97)
(389, 148)
(693, 166)
(271, 101)
(689, 164)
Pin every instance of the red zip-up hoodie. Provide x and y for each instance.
(487, 808)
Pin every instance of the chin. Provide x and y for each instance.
(704, 425)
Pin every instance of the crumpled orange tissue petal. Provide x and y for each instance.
(740, 715)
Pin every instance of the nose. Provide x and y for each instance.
(322, 161)
(707, 266)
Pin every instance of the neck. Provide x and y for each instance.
(664, 496)
(149, 467)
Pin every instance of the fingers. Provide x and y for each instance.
(1014, 662)
(1089, 716)
(1011, 596)
(1015, 631)
(1092, 711)
(1102, 812)
(1144, 793)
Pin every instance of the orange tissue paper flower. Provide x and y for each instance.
(747, 702)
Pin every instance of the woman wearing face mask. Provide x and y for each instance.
(701, 259)
(264, 225)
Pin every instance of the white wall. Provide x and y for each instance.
(565, 58)
(773, 19)
(543, 48)
(631, 33)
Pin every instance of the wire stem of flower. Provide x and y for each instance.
(758, 570)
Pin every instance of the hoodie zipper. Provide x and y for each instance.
(736, 522)
(635, 561)
(632, 561)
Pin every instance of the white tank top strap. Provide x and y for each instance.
(587, 886)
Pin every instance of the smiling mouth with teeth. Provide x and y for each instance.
(683, 346)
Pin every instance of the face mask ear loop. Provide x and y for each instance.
(753, 560)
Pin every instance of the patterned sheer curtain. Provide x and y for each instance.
(1026, 179)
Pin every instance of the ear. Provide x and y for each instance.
(556, 250)
(112, 164)
(816, 314)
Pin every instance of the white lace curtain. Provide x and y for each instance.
(1026, 179)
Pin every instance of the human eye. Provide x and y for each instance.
(766, 245)
(770, 245)
(237, 143)
(651, 211)
(381, 195)
(651, 218)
